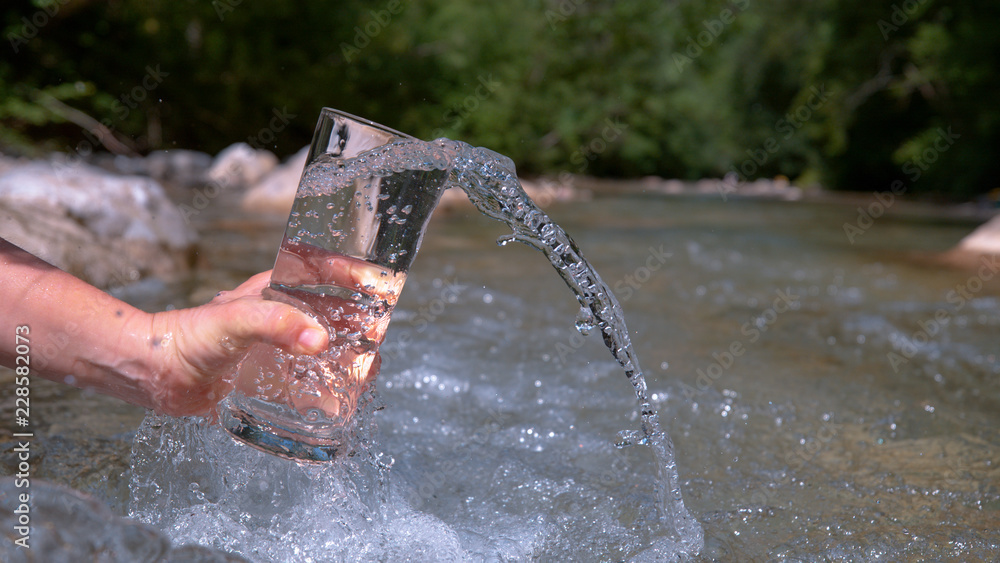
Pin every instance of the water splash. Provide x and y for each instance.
(490, 181)
(355, 496)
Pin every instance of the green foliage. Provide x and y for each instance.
(853, 93)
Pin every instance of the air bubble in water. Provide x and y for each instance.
(585, 321)
(628, 438)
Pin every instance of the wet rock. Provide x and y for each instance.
(67, 525)
(107, 229)
(544, 192)
(240, 165)
(275, 192)
(984, 240)
(978, 249)
(181, 167)
(724, 188)
(9, 162)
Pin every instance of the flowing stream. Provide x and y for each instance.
(829, 398)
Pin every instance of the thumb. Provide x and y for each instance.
(275, 323)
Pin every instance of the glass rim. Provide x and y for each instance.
(364, 121)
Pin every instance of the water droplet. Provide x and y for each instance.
(585, 321)
(627, 438)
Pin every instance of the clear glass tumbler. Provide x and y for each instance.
(352, 234)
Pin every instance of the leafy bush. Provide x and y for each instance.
(850, 93)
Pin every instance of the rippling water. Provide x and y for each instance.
(827, 400)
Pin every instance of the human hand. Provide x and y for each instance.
(193, 350)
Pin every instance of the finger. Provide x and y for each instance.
(255, 320)
(252, 286)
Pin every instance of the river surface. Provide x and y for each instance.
(828, 400)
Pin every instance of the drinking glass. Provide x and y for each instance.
(351, 236)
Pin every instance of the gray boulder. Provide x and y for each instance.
(181, 167)
(275, 192)
(240, 165)
(984, 240)
(107, 229)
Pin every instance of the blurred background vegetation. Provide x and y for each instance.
(849, 94)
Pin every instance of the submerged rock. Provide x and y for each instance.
(62, 524)
(109, 230)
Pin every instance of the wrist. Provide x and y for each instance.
(155, 353)
(125, 369)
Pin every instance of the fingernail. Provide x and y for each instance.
(312, 340)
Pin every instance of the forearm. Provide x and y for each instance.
(77, 334)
